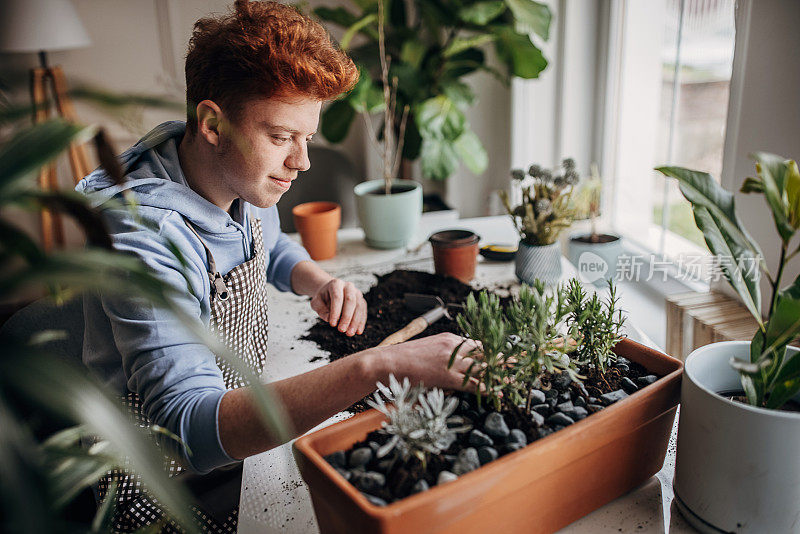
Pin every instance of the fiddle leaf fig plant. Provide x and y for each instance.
(429, 47)
(772, 376)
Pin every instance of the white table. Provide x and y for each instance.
(274, 498)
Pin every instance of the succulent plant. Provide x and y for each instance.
(420, 421)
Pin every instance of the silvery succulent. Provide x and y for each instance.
(420, 421)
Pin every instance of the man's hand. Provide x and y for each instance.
(342, 305)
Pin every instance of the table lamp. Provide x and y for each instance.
(41, 26)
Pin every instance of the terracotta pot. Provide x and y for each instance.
(455, 253)
(540, 488)
(317, 223)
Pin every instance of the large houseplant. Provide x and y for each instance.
(389, 209)
(505, 458)
(544, 212)
(736, 467)
(595, 254)
(432, 46)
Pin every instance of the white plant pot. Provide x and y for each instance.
(737, 467)
(595, 262)
(538, 262)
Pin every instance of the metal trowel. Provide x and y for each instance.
(434, 308)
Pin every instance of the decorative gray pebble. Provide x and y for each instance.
(551, 394)
(564, 406)
(496, 426)
(487, 454)
(371, 481)
(377, 501)
(543, 409)
(345, 473)
(579, 401)
(450, 458)
(517, 436)
(360, 457)
(512, 447)
(544, 431)
(467, 461)
(337, 459)
(563, 380)
(537, 418)
(537, 396)
(560, 419)
(565, 397)
(577, 413)
(646, 380)
(623, 367)
(593, 400)
(614, 396)
(420, 486)
(374, 445)
(629, 386)
(622, 361)
(594, 407)
(478, 438)
(445, 477)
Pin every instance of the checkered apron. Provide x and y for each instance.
(239, 318)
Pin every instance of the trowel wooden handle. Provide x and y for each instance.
(407, 332)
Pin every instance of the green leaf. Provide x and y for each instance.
(517, 51)
(336, 121)
(439, 117)
(481, 13)
(793, 194)
(355, 28)
(438, 157)
(752, 185)
(772, 170)
(459, 44)
(32, 148)
(736, 261)
(366, 96)
(412, 52)
(460, 93)
(699, 188)
(534, 16)
(471, 151)
(463, 63)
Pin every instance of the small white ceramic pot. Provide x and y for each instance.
(737, 467)
(538, 262)
(389, 221)
(595, 262)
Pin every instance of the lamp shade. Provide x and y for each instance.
(40, 25)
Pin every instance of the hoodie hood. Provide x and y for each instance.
(153, 172)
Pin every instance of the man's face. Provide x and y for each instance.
(262, 152)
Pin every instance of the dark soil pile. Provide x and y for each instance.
(387, 313)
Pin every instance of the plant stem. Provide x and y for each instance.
(777, 282)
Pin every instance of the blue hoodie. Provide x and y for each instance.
(135, 346)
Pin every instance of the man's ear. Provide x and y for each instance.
(209, 119)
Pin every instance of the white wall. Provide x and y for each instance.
(764, 111)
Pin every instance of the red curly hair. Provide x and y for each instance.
(262, 49)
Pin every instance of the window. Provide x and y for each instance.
(669, 71)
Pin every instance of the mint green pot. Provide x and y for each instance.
(389, 221)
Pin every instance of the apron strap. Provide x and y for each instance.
(214, 277)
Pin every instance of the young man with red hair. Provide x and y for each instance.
(256, 80)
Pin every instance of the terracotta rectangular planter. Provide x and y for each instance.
(541, 488)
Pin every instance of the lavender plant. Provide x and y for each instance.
(596, 325)
(545, 209)
(420, 421)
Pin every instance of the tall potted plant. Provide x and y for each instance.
(736, 467)
(595, 254)
(544, 212)
(389, 209)
(431, 47)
